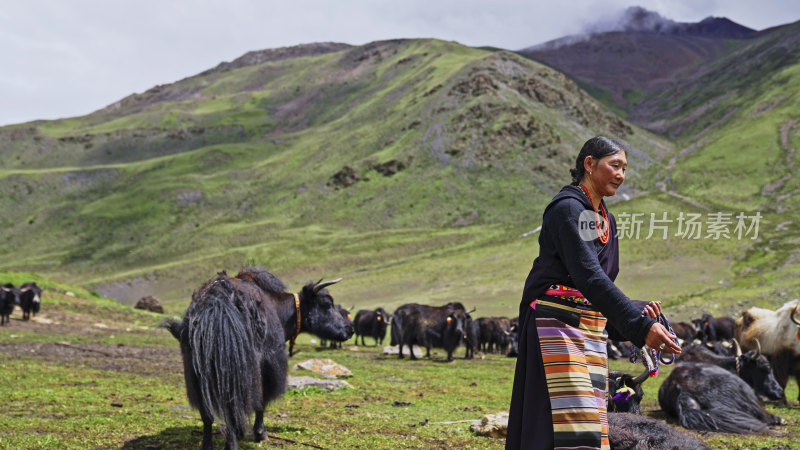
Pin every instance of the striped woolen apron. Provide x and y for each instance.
(572, 337)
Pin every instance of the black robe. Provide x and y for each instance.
(565, 258)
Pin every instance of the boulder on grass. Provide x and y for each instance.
(492, 425)
(395, 349)
(150, 303)
(328, 385)
(325, 367)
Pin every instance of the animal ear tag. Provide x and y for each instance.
(798, 335)
(449, 319)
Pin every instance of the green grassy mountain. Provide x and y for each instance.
(736, 121)
(413, 168)
(322, 162)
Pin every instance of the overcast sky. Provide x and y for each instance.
(63, 58)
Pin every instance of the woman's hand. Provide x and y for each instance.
(653, 309)
(658, 335)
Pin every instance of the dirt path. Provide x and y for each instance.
(75, 341)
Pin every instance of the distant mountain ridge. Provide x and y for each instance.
(640, 53)
(640, 20)
(164, 93)
(277, 54)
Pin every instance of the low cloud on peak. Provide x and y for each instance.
(632, 19)
(636, 19)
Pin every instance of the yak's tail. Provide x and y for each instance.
(223, 356)
(396, 333)
(174, 326)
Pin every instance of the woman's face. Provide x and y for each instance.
(607, 174)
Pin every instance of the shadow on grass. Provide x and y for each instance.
(192, 437)
(175, 437)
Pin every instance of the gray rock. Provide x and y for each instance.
(395, 350)
(492, 425)
(328, 385)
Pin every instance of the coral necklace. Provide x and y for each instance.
(604, 224)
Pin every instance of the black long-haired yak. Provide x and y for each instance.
(233, 340)
(707, 397)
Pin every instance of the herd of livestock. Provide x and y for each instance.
(28, 297)
(234, 333)
(727, 369)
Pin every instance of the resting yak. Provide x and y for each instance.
(752, 367)
(625, 392)
(629, 431)
(775, 334)
(233, 340)
(708, 397)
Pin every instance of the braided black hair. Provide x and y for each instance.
(597, 147)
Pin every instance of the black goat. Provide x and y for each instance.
(233, 340)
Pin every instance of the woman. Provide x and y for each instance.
(569, 300)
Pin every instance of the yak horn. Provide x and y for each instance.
(797, 322)
(320, 286)
(472, 310)
(642, 376)
(738, 348)
(758, 344)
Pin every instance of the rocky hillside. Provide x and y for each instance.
(385, 136)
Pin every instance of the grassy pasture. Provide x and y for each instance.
(88, 372)
(134, 203)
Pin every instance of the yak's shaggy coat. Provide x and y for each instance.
(233, 340)
(707, 397)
